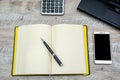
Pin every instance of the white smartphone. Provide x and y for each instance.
(102, 48)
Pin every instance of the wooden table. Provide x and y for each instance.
(21, 12)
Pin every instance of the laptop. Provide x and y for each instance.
(102, 11)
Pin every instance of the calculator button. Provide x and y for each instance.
(52, 11)
(48, 4)
(60, 7)
(48, 7)
(56, 10)
(48, 0)
(56, 0)
(44, 0)
(44, 7)
(52, 4)
(44, 10)
(56, 4)
(60, 10)
(61, 0)
(52, 7)
(44, 4)
(52, 0)
(60, 4)
(48, 11)
(56, 7)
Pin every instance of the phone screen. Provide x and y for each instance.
(102, 47)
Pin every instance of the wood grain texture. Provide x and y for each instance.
(21, 12)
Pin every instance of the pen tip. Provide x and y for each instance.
(61, 65)
(42, 40)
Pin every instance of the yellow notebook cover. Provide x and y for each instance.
(86, 50)
(14, 49)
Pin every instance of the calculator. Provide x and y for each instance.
(52, 7)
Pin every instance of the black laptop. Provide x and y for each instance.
(102, 11)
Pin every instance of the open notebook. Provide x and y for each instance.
(68, 41)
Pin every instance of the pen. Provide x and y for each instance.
(53, 54)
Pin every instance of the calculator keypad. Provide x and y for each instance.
(52, 7)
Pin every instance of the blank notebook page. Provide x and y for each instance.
(68, 44)
(32, 56)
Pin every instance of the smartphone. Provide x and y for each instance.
(102, 48)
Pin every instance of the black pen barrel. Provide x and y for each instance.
(47, 46)
(58, 60)
(50, 50)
